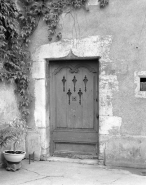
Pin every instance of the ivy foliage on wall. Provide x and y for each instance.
(16, 27)
(50, 11)
(14, 58)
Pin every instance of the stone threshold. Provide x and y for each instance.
(79, 161)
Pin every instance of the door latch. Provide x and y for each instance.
(97, 116)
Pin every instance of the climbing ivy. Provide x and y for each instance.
(16, 27)
(103, 3)
(50, 11)
(14, 58)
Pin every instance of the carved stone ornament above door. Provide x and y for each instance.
(75, 69)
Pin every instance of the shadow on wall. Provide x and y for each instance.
(8, 103)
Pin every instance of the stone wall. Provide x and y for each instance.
(8, 106)
(80, 48)
(116, 34)
(8, 103)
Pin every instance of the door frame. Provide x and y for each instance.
(94, 47)
(50, 81)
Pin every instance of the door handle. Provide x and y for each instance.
(97, 116)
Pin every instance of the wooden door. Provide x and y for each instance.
(74, 107)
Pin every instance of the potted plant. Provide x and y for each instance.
(13, 132)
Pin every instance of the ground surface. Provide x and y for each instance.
(65, 173)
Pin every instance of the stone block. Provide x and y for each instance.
(38, 70)
(53, 50)
(40, 103)
(125, 151)
(33, 144)
(8, 103)
(45, 139)
(108, 84)
(110, 125)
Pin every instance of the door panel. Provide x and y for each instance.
(74, 107)
(76, 136)
(74, 147)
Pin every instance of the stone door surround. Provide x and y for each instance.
(86, 48)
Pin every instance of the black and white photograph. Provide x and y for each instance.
(72, 92)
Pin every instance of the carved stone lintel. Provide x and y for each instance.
(75, 69)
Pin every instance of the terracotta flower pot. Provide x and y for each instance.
(14, 156)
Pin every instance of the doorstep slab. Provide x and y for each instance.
(79, 161)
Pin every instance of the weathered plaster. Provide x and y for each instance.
(93, 2)
(45, 140)
(51, 51)
(38, 70)
(109, 123)
(33, 142)
(93, 46)
(40, 103)
(8, 111)
(137, 75)
(108, 84)
(8, 103)
(126, 151)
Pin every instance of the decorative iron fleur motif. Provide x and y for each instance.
(69, 95)
(63, 81)
(80, 95)
(85, 80)
(74, 82)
